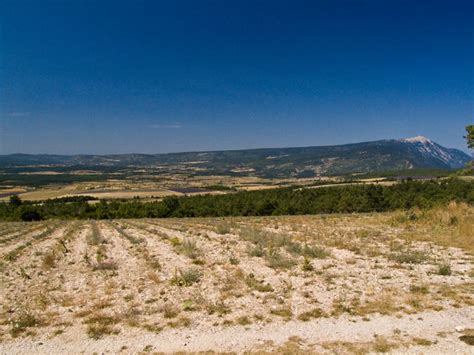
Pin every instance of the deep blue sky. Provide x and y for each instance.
(159, 76)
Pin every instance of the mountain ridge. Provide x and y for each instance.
(362, 157)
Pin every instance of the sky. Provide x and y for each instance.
(101, 77)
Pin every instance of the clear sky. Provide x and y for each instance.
(156, 76)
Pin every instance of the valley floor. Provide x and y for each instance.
(399, 282)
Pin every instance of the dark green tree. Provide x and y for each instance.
(470, 136)
(15, 201)
(30, 216)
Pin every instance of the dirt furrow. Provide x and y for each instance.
(25, 239)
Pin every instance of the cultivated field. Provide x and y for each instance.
(400, 282)
(148, 187)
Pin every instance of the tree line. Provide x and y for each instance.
(283, 201)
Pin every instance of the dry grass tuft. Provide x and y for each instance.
(100, 324)
(23, 320)
(284, 311)
(49, 260)
(308, 315)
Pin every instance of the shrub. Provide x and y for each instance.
(257, 251)
(175, 241)
(105, 266)
(257, 285)
(99, 325)
(186, 277)
(277, 261)
(307, 265)
(223, 229)
(444, 270)
(170, 311)
(315, 252)
(219, 307)
(49, 261)
(308, 315)
(243, 320)
(30, 216)
(189, 248)
(181, 322)
(423, 289)
(307, 251)
(24, 320)
(189, 306)
(282, 312)
(410, 257)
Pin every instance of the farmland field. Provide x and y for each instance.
(400, 281)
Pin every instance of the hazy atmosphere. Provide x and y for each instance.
(155, 76)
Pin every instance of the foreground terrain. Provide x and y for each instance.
(399, 282)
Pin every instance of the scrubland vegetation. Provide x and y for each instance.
(331, 283)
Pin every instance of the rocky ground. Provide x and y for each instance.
(348, 284)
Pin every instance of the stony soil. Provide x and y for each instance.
(311, 284)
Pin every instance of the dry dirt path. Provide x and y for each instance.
(311, 336)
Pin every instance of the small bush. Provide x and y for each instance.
(189, 306)
(294, 249)
(100, 324)
(189, 248)
(98, 330)
(277, 261)
(422, 341)
(219, 307)
(423, 289)
(257, 251)
(468, 339)
(307, 265)
(170, 311)
(410, 257)
(308, 315)
(223, 229)
(444, 270)
(105, 266)
(186, 277)
(315, 252)
(21, 322)
(30, 216)
(49, 261)
(257, 285)
(244, 320)
(282, 312)
(181, 322)
(153, 276)
(381, 345)
(307, 251)
(101, 253)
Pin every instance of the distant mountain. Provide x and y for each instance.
(411, 153)
(437, 154)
